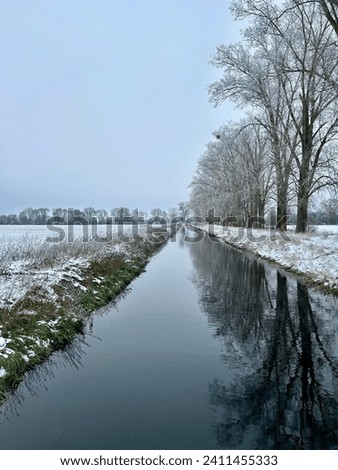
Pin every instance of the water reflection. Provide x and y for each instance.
(35, 380)
(280, 350)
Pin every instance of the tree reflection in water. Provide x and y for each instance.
(280, 352)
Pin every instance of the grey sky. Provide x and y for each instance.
(104, 102)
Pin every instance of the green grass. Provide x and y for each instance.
(110, 284)
(33, 341)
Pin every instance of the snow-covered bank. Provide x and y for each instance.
(28, 261)
(314, 255)
(27, 265)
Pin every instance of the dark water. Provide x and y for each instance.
(210, 349)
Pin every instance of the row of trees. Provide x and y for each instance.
(284, 73)
(40, 216)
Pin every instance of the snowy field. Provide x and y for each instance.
(28, 261)
(325, 229)
(41, 232)
(314, 254)
(329, 229)
(15, 232)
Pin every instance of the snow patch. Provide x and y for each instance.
(4, 342)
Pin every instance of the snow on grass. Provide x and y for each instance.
(3, 342)
(314, 254)
(28, 261)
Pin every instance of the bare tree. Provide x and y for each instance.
(285, 74)
(313, 106)
(330, 10)
(184, 210)
(244, 8)
(305, 55)
(158, 214)
(89, 213)
(329, 208)
(172, 213)
(234, 176)
(249, 79)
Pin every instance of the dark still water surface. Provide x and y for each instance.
(209, 349)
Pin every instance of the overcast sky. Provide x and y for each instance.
(104, 102)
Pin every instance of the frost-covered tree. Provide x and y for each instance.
(329, 208)
(308, 55)
(234, 176)
(250, 81)
(119, 213)
(244, 8)
(330, 9)
(286, 67)
(172, 213)
(184, 210)
(89, 213)
(158, 214)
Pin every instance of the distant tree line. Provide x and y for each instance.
(284, 74)
(90, 215)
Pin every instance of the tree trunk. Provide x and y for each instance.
(261, 212)
(282, 207)
(302, 211)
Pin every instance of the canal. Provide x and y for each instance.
(208, 349)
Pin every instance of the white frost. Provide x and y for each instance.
(4, 342)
